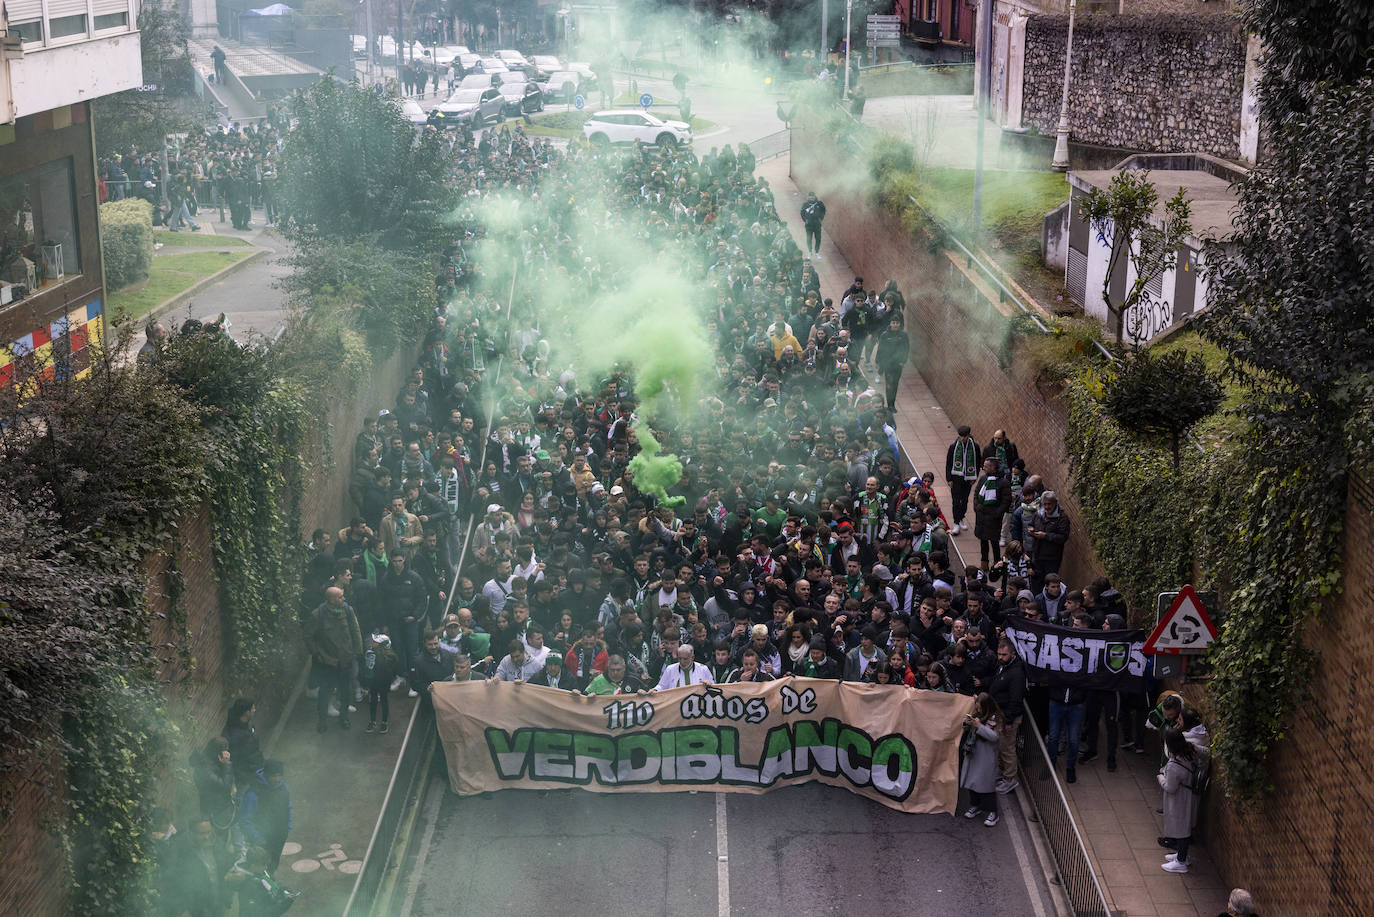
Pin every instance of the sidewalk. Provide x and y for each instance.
(338, 781)
(1116, 814)
(1115, 811)
(922, 427)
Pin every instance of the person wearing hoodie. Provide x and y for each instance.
(381, 666)
(1103, 705)
(265, 815)
(244, 749)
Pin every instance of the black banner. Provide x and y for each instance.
(1109, 660)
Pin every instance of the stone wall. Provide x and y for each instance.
(956, 333)
(1167, 83)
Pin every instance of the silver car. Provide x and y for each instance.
(474, 107)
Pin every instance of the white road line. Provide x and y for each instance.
(723, 860)
(1022, 858)
(422, 855)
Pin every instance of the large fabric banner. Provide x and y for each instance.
(1109, 660)
(893, 744)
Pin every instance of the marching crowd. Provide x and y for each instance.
(501, 529)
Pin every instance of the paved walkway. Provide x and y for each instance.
(1115, 811)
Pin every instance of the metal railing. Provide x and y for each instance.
(1073, 867)
(772, 145)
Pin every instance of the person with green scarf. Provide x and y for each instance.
(961, 469)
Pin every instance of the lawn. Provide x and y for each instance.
(196, 239)
(171, 275)
(568, 124)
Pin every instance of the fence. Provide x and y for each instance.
(771, 146)
(1039, 782)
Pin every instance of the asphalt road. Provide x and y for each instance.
(795, 851)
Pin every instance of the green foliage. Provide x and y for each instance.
(354, 169)
(1123, 218)
(890, 156)
(256, 426)
(1161, 395)
(1291, 307)
(1273, 523)
(1070, 343)
(394, 290)
(119, 743)
(1298, 60)
(126, 241)
(1133, 501)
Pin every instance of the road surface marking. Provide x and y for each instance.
(1022, 859)
(723, 860)
(422, 855)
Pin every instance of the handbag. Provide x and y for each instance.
(970, 739)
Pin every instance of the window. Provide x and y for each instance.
(67, 26)
(953, 20)
(111, 21)
(31, 31)
(38, 209)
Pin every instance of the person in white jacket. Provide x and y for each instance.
(687, 671)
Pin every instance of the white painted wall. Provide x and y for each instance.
(48, 78)
(1099, 256)
(1249, 103)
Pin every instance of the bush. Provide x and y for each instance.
(891, 156)
(126, 240)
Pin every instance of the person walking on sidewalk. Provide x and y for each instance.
(962, 462)
(992, 500)
(894, 346)
(813, 214)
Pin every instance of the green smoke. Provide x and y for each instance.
(654, 473)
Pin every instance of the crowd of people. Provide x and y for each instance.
(500, 531)
(229, 168)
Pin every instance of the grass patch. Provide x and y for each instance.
(568, 124)
(1014, 203)
(195, 239)
(171, 275)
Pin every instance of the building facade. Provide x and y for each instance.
(58, 56)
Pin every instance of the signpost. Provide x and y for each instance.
(647, 101)
(1183, 628)
(884, 31)
(579, 102)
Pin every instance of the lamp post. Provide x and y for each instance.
(983, 104)
(1061, 140)
(848, 43)
(825, 31)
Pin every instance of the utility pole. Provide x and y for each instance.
(825, 31)
(848, 43)
(984, 107)
(400, 43)
(371, 51)
(1061, 140)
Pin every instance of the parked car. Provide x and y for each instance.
(562, 85)
(544, 66)
(583, 68)
(522, 96)
(469, 63)
(492, 65)
(626, 126)
(475, 81)
(512, 59)
(471, 106)
(414, 112)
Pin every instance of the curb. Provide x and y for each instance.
(190, 292)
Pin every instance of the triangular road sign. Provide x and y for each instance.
(1184, 628)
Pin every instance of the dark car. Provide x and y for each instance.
(521, 97)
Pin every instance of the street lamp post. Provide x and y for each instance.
(1061, 140)
(848, 43)
(825, 31)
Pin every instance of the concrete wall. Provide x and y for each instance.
(1153, 83)
(956, 333)
(1054, 236)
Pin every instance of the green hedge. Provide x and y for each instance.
(126, 239)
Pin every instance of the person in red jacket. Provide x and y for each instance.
(586, 658)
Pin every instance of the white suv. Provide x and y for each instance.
(627, 126)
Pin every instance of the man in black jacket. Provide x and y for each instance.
(433, 664)
(812, 213)
(1008, 688)
(1048, 531)
(555, 675)
(403, 592)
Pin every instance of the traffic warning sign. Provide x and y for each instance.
(1184, 628)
